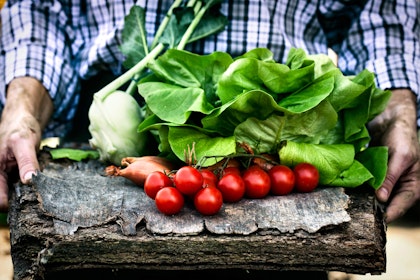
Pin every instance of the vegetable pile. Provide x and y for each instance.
(305, 110)
(200, 109)
(114, 114)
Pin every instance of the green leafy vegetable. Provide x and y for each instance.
(205, 105)
(375, 159)
(213, 102)
(115, 115)
(203, 145)
(330, 160)
(73, 154)
(135, 43)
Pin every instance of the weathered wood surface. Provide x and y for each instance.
(73, 217)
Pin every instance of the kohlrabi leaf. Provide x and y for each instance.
(172, 103)
(190, 70)
(194, 24)
(73, 154)
(178, 24)
(212, 22)
(134, 44)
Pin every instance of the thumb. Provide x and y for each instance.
(394, 171)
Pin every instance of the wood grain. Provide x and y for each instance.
(74, 219)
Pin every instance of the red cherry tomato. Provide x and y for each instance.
(282, 179)
(306, 177)
(257, 182)
(210, 178)
(169, 201)
(208, 201)
(154, 182)
(232, 187)
(188, 180)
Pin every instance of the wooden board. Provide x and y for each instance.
(73, 218)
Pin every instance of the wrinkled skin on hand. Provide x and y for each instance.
(396, 128)
(27, 110)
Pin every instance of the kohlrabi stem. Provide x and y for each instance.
(133, 84)
(165, 22)
(191, 3)
(124, 78)
(186, 37)
(197, 6)
(131, 89)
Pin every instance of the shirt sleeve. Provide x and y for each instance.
(385, 40)
(36, 41)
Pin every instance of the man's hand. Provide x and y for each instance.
(27, 110)
(396, 128)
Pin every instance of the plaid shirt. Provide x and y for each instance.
(62, 42)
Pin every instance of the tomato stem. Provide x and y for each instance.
(202, 161)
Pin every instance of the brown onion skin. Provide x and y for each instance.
(136, 169)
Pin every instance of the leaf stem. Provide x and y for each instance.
(125, 77)
(135, 72)
(165, 22)
(203, 159)
(185, 38)
(133, 84)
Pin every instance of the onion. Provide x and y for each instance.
(136, 169)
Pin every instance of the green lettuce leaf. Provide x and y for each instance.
(184, 139)
(330, 160)
(215, 101)
(375, 159)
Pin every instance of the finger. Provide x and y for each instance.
(400, 203)
(396, 167)
(405, 195)
(26, 158)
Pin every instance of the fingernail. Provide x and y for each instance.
(28, 177)
(382, 194)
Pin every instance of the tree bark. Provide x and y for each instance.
(72, 219)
